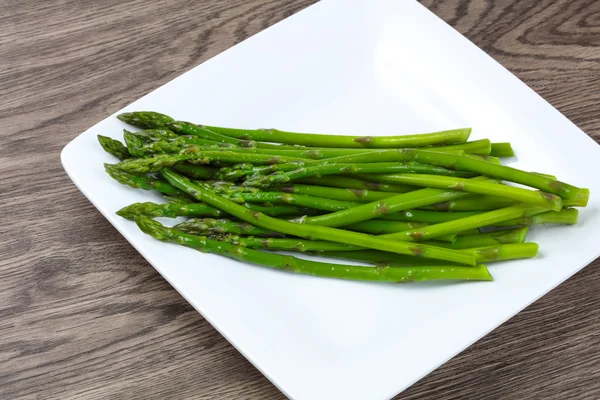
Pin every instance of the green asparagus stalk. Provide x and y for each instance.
(487, 203)
(145, 119)
(182, 145)
(114, 147)
(281, 210)
(382, 227)
(156, 163)
(287, 244)
(490, 159)
(319, 140)
(354, 195)
(196, 171)
(199, 131)
(224, 187)
(335, 169)
(313, 232)
(472, 203)
(206, 132)
(430, 217)
(497, 252)
(242, 170)
(297, 265)
(211, 226)
(431, 232)
(480, 147)
(391, 205)
(489, 254)
(169, 210)
(174, 200)
(142, 182)
(177, 209)
(552, 202)
(501, 150)
(567, 216)
(488, 239)
(464, 163)
(345, 182)
(317, 203)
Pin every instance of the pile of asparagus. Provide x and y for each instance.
(415, 207)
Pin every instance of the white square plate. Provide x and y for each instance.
(360, 68)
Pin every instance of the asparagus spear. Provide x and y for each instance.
(313, 232)
(490, 159)
(114, 147)
(174, 200)
(318, 140)
(318, 203)
(488, 239)
(355, 195)
(211, 226)
(289, 244)
(335, 169)
(182, 145)
(382, 227)
(566, 216)
(293, 264)
(501, 252)
(431, 217)
(281, 210)
(196, 171)
(463, 163)
(552, 202)
(169, 210)
(142, 181)
(391, 205)
(156, 163)
(476, 221)
(497, 252)
(177, 209)
(345, 182)
(486, 203)
(206, 132)
(480, 147)
(501, 150)
(203, 226)
(472, 203)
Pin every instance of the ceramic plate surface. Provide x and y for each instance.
(359, 68)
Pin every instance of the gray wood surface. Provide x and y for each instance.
(83, 316)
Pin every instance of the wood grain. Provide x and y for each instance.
(83, 316)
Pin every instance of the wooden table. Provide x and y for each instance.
(83, 316)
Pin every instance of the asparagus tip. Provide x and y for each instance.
(113, 147)
(152, 228)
